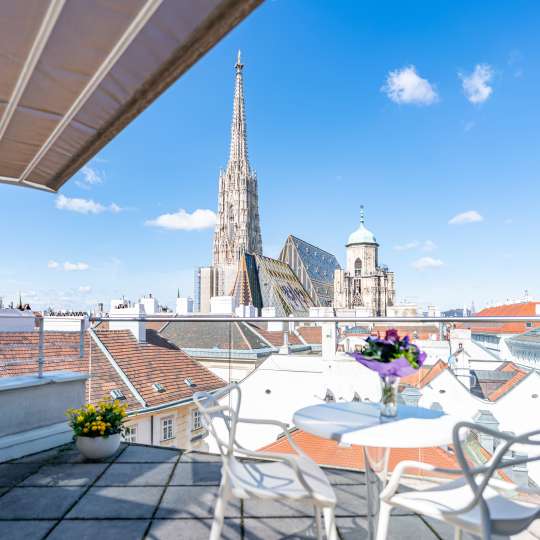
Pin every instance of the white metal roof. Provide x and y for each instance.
(74, 73)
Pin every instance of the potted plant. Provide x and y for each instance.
(392, 357)
(97, 430)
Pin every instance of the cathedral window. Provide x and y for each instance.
(357, 268)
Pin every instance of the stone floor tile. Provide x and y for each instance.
(401, 528)
(70, 454)
(197, 474)
(337, 476)
(3, 490)
(147, 454)
(200, 457)
(446, 532)
(13, 473)
(193, 502)
(192, 529)
(279, 528)
(136, 474)
(38, 503)
(25, 530)
(108, 529)
(42, 457)
(117, 502)
(352, 501)
(80, 474)
(277, 508)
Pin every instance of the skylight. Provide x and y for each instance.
(117, 394)
(189, 382)
(158, 387)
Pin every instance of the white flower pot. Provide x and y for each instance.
(98, 447)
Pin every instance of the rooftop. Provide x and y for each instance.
(161, 493)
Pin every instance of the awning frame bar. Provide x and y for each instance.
(123, 43)
(42, 36)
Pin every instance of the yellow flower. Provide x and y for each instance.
(80, 418)
(85, 430)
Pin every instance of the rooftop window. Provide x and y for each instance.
(158, 387)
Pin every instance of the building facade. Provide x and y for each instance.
(364, 285)
(238, 228)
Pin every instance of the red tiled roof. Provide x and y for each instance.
(435, 370)
(147, 363)
(275, 338)
(142, 363)
(311, 334)
(519, 375)
(326, 452)
(508, 310)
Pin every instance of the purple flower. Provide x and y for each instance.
(392, 335)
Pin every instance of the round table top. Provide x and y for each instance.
(360, 423)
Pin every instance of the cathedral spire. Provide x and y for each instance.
(362, 217)
(238, 153)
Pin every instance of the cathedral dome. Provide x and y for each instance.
(362, 235)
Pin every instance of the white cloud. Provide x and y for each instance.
(84, 206)
(70, 267)
(408, 246)
(52, 264)
(406, 86)
(427, 262)
(85, 289)
(91, 176)
(184, 221)
(472, 216)
(427, 245)
(475, 85)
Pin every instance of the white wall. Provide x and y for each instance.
(14, 320)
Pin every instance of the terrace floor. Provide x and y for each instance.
(159, 493)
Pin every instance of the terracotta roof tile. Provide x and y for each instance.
(436, 369)
(147, 363)
(509, 310)
(312, 335)
(326, 452)
(274, 337)
(142, 363)
(519, 375)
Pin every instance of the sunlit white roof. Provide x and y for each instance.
(75, 73)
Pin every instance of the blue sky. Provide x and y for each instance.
(420, 111)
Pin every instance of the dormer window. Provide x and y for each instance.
(117, 394)
(158, 387)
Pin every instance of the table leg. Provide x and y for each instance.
(375, 481)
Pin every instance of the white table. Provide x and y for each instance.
(361, 424)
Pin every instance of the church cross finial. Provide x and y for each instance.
(362, 217)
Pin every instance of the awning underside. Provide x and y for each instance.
(75, 72)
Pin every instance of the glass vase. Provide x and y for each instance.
(389, 393)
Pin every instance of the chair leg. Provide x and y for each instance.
(330, 523)
(318, 522)
(219, 512)
(384, 519)
(458, 533)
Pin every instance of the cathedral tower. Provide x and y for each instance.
(237, 229)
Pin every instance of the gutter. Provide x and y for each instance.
(168, 405)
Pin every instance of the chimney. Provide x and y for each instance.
(125, 309)
(485, 418)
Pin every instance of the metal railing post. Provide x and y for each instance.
(41, 348)
(81, 338)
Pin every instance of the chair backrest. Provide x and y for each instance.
(214, 414)
(478, 477)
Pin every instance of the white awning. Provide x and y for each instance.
(74, 73)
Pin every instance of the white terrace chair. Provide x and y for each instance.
(476, 502)
(286, 476)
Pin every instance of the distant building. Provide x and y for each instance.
(364, 285)
(525, 348)
(313, 266)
